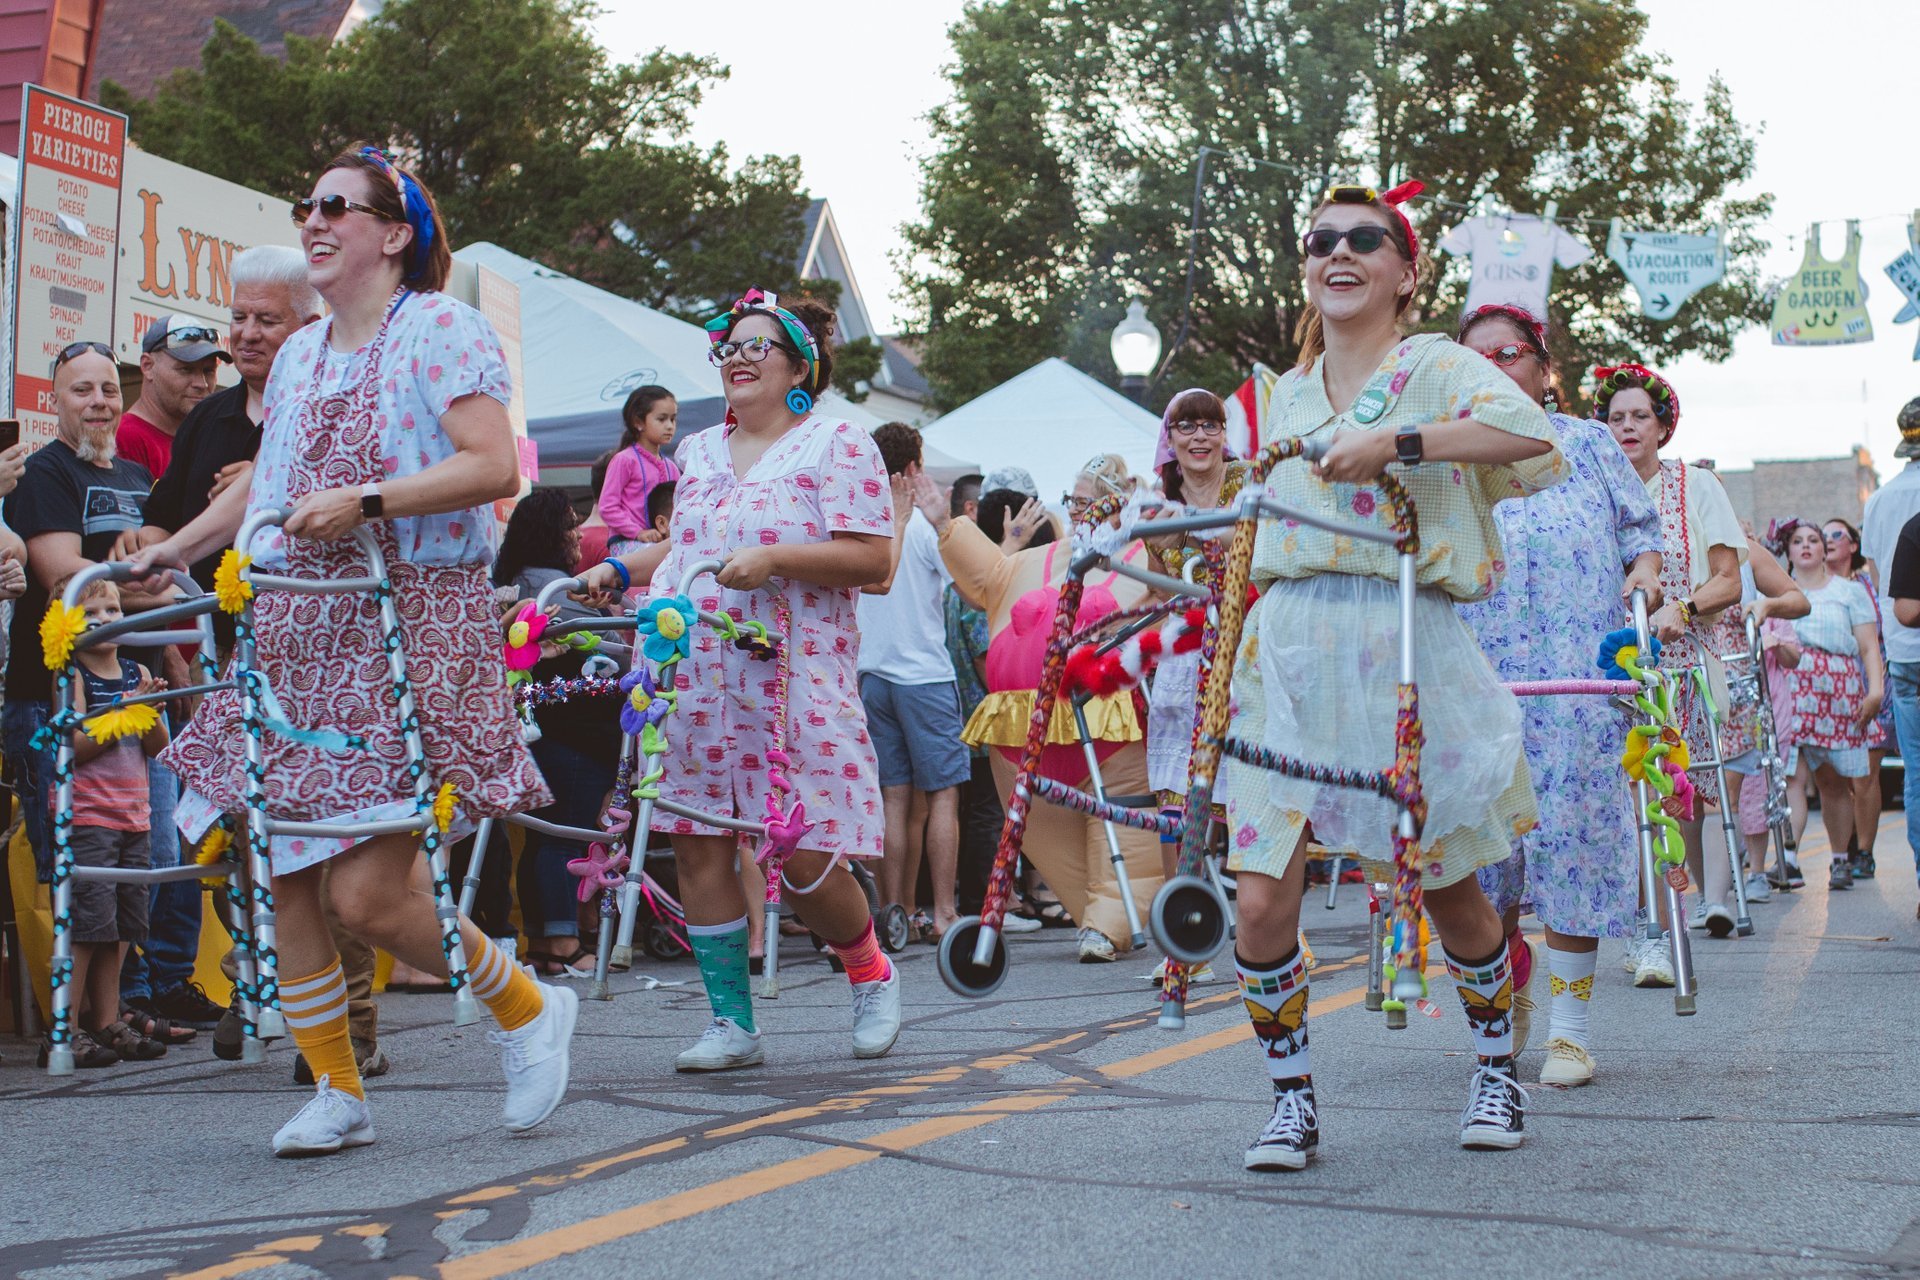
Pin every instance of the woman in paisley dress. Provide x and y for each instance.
(390, 414)
(1575, 553)
(1846, 561)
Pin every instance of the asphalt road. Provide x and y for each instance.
(1050, 1130)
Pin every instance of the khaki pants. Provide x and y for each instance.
(1070, 850)
(356, 962)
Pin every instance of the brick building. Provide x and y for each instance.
(1816, 488)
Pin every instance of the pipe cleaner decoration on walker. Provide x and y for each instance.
(1656, 753)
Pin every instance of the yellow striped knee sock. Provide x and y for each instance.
(316, 1013)
(504, 987)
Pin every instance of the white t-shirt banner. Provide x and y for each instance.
(1904, 271)
(1513, 258)
(1665, 267)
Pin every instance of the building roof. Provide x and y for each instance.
(141, 42)
(900, 356)
(43, 42)
(824, 257)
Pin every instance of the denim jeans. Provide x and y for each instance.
(167, 959)
(32, 777)
(579, 782)
(1904, 688)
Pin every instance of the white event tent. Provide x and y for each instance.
(1051, 420)
(584, 349)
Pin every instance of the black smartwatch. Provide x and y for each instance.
(371, 504)
(1408, 448)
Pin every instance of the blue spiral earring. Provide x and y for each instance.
(798, 401)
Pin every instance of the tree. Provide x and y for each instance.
(1068, 164)
(524, 129)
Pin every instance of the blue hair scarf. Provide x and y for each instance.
(413, 200)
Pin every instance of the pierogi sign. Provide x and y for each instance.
(182, 229)
(66, 231)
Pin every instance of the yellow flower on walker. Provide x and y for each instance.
(60, 630)
(230, 586)
(443, 803)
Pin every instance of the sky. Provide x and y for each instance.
(1824, 117)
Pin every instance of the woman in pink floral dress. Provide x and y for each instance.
(392, 414)
(797, 505)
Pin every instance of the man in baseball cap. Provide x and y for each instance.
(178, 359)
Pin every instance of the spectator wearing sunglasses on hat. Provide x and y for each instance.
(179, 360)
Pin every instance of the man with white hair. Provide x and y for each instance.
(218, 438)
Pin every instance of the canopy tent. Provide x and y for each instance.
(584, 349)
(1051, 420)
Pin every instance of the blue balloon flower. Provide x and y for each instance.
(667, 625)
(1624, 638)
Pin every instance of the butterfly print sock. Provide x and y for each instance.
(1486, 994)
(1570, 987)
(1276, 1000)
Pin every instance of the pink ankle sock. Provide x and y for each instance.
(1520, 959)
(864, 960)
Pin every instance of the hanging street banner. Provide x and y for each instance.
(1824, 302)
(65, 244)
(1904, 271)
(180, 229)
(1665, 267)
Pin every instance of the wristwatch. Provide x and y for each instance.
(1408, 448)
(371, 504)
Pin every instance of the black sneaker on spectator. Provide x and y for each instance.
(229, 1035)
(1795, 880)
(88, 1054)
(187, 1004)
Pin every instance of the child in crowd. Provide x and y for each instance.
(659, 512)
(110, 818)
(651, 414)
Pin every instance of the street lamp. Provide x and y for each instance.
(1136, 349)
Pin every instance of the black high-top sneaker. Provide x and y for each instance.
(1496, 1114)
(1292, 1136)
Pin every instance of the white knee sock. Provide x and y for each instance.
(1570, 984)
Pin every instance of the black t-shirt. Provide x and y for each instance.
(1903, 578)
(215, 433)
(61, 494)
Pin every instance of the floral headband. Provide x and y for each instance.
(1393, 199)
(1613, 379)
(1530, 325)
(756, 300)
(414, 201)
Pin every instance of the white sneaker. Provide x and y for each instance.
(1720, 922)
(1195, 977)
(1568, 1066)
(536, 1058)
(332, 1119)
(1095, 947)
(1697, 918)
(876, 1016)
(1630, 958)
(724, 1045)
(1011, 923)
(1656, 963)
(1758, 890)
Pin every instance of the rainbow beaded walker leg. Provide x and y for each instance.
(972, 956)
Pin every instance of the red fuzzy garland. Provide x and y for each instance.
(1126, 665)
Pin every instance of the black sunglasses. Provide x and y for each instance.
(74, 350)
(332, 208)
(1365, 238)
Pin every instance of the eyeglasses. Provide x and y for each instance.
(1365, 238)
(753, 350)
(1074, 503)
(74, 350)
(1187, 428)
(332, 208)
(1511, 354)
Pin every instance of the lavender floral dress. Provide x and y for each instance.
(1567, 552)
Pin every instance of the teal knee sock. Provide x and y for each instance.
(721, 950)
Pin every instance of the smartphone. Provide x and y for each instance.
(9, 433)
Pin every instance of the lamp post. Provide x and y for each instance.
(1136, 349)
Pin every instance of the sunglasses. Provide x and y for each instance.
(1837, 535)
(1187, 428)
(74, 350)
(191, 337)
(752, 350)
(1365, 238)
(1511, 354)
(332, 208)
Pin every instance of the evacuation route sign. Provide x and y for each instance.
(66, 243)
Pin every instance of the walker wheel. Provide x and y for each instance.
(896, 930)
(1189, 920)
(955, 960)
(658, 941)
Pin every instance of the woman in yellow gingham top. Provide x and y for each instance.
(1316, 675)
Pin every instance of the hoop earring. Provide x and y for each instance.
(798, 401)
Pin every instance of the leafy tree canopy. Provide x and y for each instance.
(1064, 176)
(527, 133)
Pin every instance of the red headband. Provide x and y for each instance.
(1535, 329)
(1394, 199)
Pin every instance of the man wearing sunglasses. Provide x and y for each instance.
(179, 358)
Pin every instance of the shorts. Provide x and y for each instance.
(916, 733)
(1747, 762)
(104, 911)
(1848, 762)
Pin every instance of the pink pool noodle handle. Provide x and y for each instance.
(1591, 688)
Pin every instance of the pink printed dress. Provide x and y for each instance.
(823, 477)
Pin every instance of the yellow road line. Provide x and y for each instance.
(624, 1223)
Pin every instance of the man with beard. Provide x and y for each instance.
(74, 501)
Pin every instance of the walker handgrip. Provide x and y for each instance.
(1316, 449)
(558, 587)
(1641, 630)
